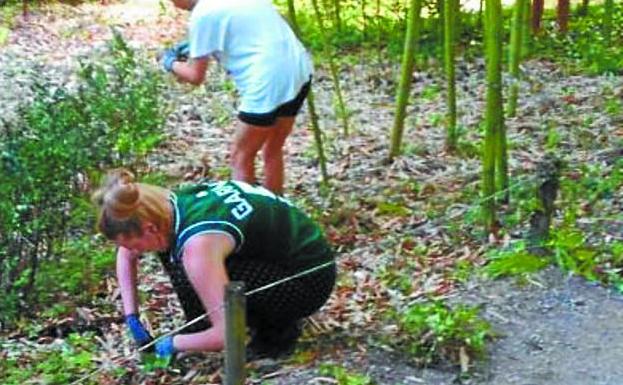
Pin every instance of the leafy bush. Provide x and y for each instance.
(433, 332)
(61, 364)
(585, 47)
(517, 261)
(60, 141)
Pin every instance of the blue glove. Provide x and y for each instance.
(165, 348)
(182, 50)
(140, 335)
(168, 58)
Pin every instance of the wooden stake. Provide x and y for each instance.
(235, 333)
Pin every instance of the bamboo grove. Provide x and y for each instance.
(502, 53)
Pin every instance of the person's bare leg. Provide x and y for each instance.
(272, 153)
(248, 141)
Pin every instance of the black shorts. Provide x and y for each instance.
(288, 109)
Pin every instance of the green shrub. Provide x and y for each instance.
(514, 262)
(62, 138)
(433, 332)
(585, 47)
(61, 364)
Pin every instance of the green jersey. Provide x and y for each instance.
(262, 225)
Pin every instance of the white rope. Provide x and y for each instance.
(212, 311)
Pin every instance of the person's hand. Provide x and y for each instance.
(164, 347)
(168, 58)
(179, 52)
(182, 50)
(140, 335)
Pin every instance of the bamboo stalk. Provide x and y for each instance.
(494, 137)
(404, 86)
(515, 54)
(449, 58)
(311, 105)
(341, 107)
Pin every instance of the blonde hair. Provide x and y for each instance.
(125, 205)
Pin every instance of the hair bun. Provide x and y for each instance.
(118, 195)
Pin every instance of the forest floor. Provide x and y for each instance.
(552, 328)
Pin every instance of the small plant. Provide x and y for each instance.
(515, 262)
(62, 364)
(433, 332)
(344, 377)
(430, 92)
(572, 253)
(614, 107)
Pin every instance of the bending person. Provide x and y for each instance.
(206, 235)
(269, 65)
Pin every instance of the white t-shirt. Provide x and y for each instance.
(257, 48)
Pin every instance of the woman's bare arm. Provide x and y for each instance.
(204, 261)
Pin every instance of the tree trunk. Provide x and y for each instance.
(322, 160)
(379, 32)
(292, 18)
(341, 112)
(449, 50)
(537, 16)
(480, 8)
(408, 62)
(25, 8)
(515, 54)
(311, 105)
(439, 27)
(338, 15)
(583, 9)
(494, 119)
(562, 16)
(527, 33)
(364, 20)
(607, 21)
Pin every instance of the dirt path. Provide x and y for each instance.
(554, 330)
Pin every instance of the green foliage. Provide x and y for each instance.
(8, 11)
(614, 106)
(515, 262)
(398, 275)
(585, 47)
(344, 377)
(572, 253)
(434, 332)
(60, 364)
(61, 138)
(77, 273)
(150, 362)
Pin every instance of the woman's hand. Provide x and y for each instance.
(165, 348)
(140, 335)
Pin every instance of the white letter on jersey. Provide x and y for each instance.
(242, 209)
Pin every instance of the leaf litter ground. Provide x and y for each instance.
(553, 328)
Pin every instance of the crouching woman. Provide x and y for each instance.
(206, 235)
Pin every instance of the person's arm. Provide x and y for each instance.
(204, 261)
(126, 277)
(192, 71)
(127, 263)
